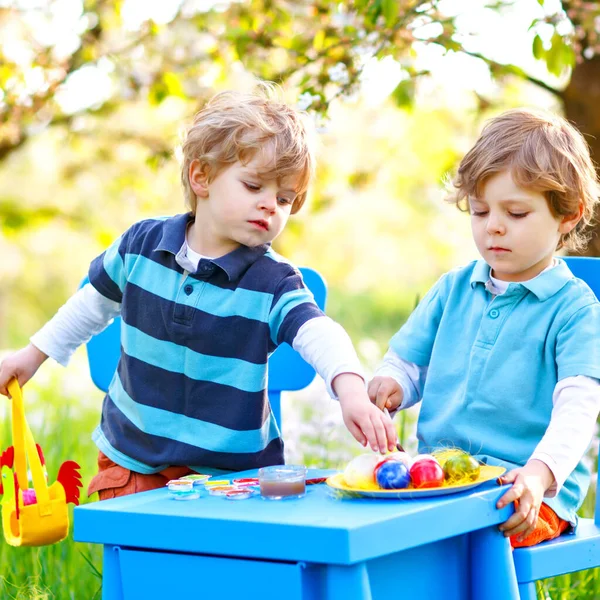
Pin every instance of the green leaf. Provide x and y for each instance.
(538, 47)
(555, 57)
(404, 93)
(390, 10)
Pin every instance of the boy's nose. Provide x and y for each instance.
(268, 202)
(494, 225)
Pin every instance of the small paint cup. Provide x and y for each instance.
(281, 482)
(198, 480)
(182, 490)
(242, 494)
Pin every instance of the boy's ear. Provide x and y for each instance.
(568, 222)
(198, 175)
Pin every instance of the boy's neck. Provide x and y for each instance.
(204, 242)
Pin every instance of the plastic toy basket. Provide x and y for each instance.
(47, 520)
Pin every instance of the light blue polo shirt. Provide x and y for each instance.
(494, 364)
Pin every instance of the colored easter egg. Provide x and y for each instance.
(359, 473)
(402, 457)
(461, 468)
(392, 475)
(425, 457)
(426, 473)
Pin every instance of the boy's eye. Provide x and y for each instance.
(478, 213)
(518, 215)
(253, 187)
(284, 201)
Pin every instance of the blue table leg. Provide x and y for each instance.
(349, 582)
(527, 591)
(112, 586)
(493, 575)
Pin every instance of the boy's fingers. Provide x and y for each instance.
(357, 433)
(524, 526)
(383, 393)
(391, 433)
(515, 492)
(380, 434)
(370, 434)
(372, 389)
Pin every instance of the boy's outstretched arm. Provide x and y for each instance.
(86, 313)
(22, 364)
(364, 420)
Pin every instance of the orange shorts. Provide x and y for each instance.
(549, 526)
(113, 481)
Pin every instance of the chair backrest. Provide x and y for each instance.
(588, 269)
(287, 370)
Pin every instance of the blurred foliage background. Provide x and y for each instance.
(94, 96)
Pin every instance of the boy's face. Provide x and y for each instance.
(239, 206)
(514, 230)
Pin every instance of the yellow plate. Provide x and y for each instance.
(337, 483)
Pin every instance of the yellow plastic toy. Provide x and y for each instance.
(38, 516)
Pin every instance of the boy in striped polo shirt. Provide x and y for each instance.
(204, 301)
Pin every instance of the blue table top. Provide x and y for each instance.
(317, 528)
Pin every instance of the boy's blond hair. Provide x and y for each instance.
(544, 153)
(234, 126)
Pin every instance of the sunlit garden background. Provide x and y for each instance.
(93, 97)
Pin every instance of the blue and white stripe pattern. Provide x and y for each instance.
(191, 384)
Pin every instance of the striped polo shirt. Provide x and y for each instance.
(191, 384)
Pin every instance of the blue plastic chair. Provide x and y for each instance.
(567, 553)
(287, 370)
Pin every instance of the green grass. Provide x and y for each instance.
(62, 423)
(67, 570)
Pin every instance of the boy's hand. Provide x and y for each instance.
(385, 392)
(22, 364)
(364, 420)
(529, 485)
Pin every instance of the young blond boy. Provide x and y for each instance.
(505, 352)
(204, 300)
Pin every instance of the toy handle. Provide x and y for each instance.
(24, 446)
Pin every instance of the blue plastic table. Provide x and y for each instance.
(314, 548)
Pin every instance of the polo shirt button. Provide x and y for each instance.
(188, 289)
(494, 313)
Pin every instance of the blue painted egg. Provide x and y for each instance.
(392, 475)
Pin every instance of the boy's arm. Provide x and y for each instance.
(576, 406)
(572, 425)
(85, 314)
(325, 345)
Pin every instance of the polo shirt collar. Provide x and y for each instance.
(173, 233)
(234, 263)
(543, 286)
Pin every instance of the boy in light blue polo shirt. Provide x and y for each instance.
(504, 353)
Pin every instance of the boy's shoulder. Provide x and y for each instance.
(464, 275)
(577, 294)
(149, 224)
(275, 262)
(154, 232)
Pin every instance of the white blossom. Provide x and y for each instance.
(339, 73)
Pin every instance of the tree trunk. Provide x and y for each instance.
(582, 107)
